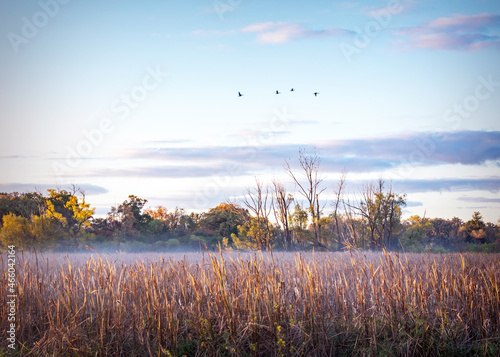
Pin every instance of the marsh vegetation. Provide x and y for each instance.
(254, 303)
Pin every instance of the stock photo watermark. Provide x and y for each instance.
(11, 297)
(121, 108)
(426, 147)
(223, 6)
(31, 26)
(381, 20)
(471, 103)
(249, 148)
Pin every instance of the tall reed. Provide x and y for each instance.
(252, 304)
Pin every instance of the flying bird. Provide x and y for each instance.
(292, 90)
(240, 95)
(316, 94)
(278, 92)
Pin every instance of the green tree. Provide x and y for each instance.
(23, 205)
(492, 232)
(223, 220)
(172, 220)
(298, 220)
(441, 231)
(121, 220)
(381, 211)
(251, 235)
(327, 229)
(135, 205)
(415, 234)
(475, 229)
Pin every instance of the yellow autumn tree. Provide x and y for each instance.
(71, 215)
(28, 234)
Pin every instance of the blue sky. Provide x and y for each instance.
(129, 97)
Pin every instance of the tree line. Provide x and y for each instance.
(267, 217)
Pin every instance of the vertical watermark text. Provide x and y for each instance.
(11, 297)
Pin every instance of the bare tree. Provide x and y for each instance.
(351, 236)
(310, 189)
(336, 208)
(259, 201)
(391, 204)
(381, 212)
(281, 209)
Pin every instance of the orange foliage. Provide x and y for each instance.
(226, 207)
(160, 213)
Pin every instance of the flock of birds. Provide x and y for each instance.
(277, 92)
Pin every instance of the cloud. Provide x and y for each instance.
(42, 188)
(347, 4)
(4, 157)
(283, 32)
(185, 171)
(17, 157)
(489, 184)
(462, 23)
(278, 32)
(479, 199)
(414, 204)
(307, 122)
(355, 163)
(463, 147)
(394, 7)
(354, 155)
(459, 32)
(178, 141)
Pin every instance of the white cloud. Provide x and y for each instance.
(283, 32)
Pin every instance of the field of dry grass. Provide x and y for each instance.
(225, 304)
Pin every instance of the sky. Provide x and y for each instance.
(141, 97)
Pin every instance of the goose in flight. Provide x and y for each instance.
(278, 92)
(292, 90)
(316, 94)
(240, 95)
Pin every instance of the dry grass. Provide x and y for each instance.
(257, 304)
